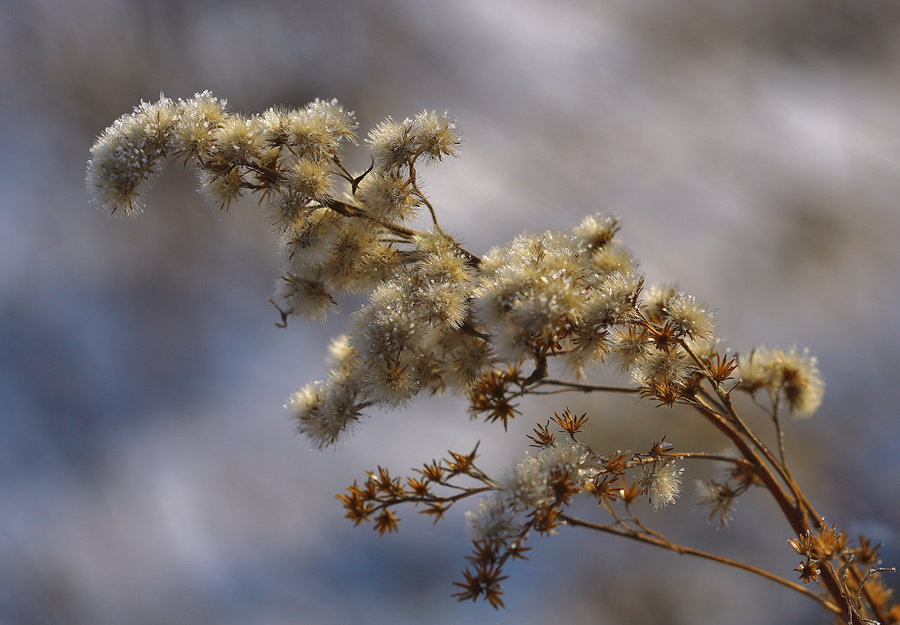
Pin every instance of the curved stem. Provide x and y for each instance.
(348, 210)
(702, 455)
(793, 511)
(664, 544)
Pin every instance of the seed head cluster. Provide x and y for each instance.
(438, 318)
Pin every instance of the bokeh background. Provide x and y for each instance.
(148, 473)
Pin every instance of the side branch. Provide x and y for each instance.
(576, 522)
(583, 388)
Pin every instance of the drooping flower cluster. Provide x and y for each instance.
(439, 318)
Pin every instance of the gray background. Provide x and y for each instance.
(148, 473)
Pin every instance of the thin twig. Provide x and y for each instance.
(664, 544)
(585, 388)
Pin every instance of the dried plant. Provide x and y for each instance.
(440, 318)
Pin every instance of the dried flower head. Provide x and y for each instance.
(718, 499)
(437, 317)
(791, 375)
(661, 481)
(494, 520)
(536, 482)
(129, 154)
(689, 315)
(531, 291)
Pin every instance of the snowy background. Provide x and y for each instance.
(148, 473)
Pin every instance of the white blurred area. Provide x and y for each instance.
(148, 473)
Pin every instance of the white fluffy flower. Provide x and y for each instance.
(494, 520)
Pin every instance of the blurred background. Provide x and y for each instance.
(148, 472)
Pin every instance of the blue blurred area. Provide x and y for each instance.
(147, 471)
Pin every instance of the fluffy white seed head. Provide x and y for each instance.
(392, 144)
(689, 316)
(493, 520)
(305, 297)
(430, 135)
(791, 375)
(237, 141)
(388, 196)
(461, 358)
(314, 132)
(436, 135)
(326, 411)
(670, 367)
(198, 118)
(532, 288)
(340, 352)
(596, 231)
(612, 257)
(128, 154)
(661, 481)
(655, 299)
(306, 245)
(440, 281)
(529, 484)
(307, 181)
(717, 499)
(628, 345)
(613, 298)
(355, 257)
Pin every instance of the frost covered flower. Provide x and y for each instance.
(314, 132)
(628, 345)
(392, 144)
(802, 383)
(493, 520)
(398, 144)
(439, 282)
(388, 196)
(324, 412)
(613, 299)
(596, 231)
(306, 245)
(340, 352)
(758, 369)
(439, 318)
(305, 297)
(128, 154)
(307, 181)
(387, 337)
(355, 258)
(564, 465)
(789, 374)
(671, 367)
(198, 118)
(689, 316)
(531, 291)
(461, 357)
(236, 141)
(436, 135)
(661, 481)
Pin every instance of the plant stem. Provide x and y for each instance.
(650, 540)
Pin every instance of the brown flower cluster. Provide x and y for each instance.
(375, 498)
(826, 548)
